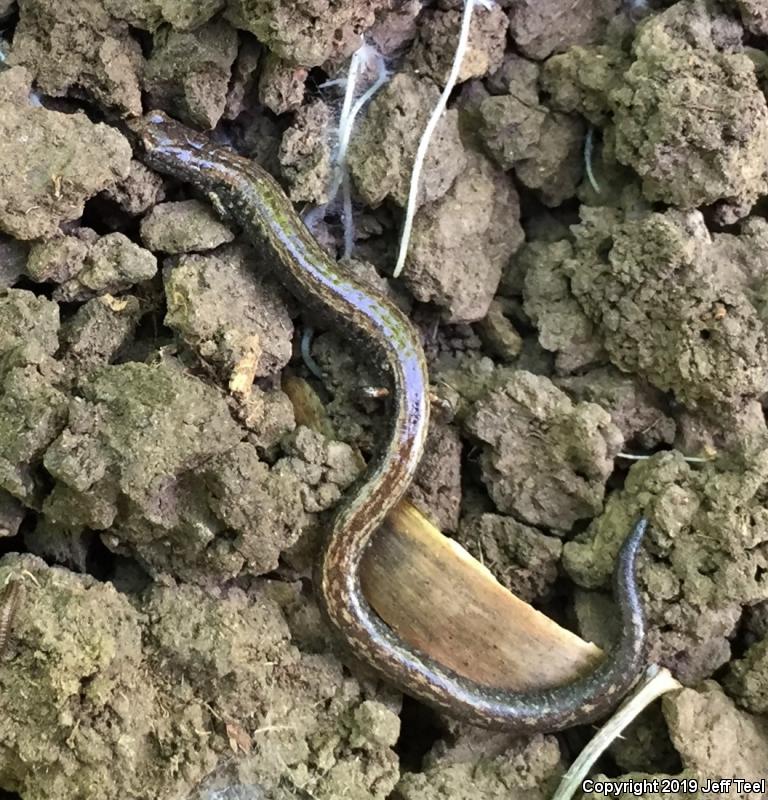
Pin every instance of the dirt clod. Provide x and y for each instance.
(306, 33)
(68, 159)
(185, 226)
(434, 50)
(473, 230)
(231, 316)
(188, 73)
(382, 152)
(77, 46)
(536, 444)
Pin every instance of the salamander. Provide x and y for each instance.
(245, 193)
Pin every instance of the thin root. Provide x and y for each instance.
(588, 151)
(642, 457)
(306, 353)
(426, 137)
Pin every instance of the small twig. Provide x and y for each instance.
(271, 728)
(432, 123)
(657, 681)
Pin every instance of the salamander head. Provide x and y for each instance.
(156, 131)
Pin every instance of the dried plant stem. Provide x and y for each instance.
(657, 681)
(482, 631)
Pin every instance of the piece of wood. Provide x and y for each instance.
(439, 598)
(442, 600)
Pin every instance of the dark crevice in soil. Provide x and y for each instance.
(559, 603)
(315, 79)
(40, 289)
(743, 638)
(573, 741)
(100, 561)
(144, 38)
(420, 729)
(102, 216)
(12, 544)
(8, 26)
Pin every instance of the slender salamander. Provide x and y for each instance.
(244, 192)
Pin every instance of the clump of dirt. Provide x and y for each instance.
(79, 46)
(151, 455)
(67, 159)
(188, 72)
(281, 84)
(232, 318)
(665, 307)
(686, 53)
(306, 33)
(746, 681)
(137, 192)
(86, 264)
(526, 770)
(437, 487)
(381, 155)
(549, 302)
(123, 689)
(543, 459)
(183, 226)
(542, 27)
(100, 330)
(753, 16)
(305, 154)
(433, 51)
(183, 15)
(33, 405)
(476, 244)
(636, 409)
(685, 107)
(707, 556)
(504, 114)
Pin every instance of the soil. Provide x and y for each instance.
(589, 270)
